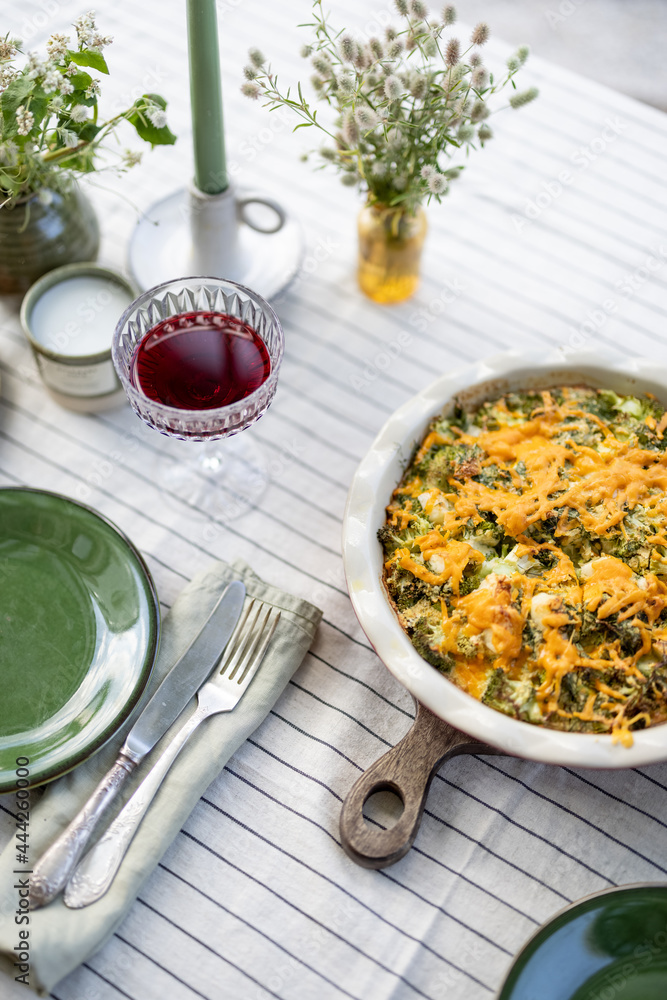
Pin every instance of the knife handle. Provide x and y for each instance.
(54, 868)
(95, 873)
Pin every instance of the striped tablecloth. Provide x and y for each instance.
(555, 234)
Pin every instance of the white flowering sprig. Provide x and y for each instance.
(403, 104)
(49, 119)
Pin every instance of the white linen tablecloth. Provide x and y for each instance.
(555, 231)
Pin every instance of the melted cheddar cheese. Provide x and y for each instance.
(526, 557)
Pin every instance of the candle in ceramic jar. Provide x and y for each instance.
(78, 316)
(69, 317)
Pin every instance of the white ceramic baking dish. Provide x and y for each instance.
(371, 488)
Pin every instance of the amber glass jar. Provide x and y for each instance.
(390, 247)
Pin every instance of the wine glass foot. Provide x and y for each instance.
(221, 479)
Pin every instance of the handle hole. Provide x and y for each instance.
(383, 807)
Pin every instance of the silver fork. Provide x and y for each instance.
(245, 651)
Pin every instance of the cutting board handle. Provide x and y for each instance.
(407, 770)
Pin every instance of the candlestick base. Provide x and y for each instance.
(162, 248)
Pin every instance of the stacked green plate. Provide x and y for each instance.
(79, 626)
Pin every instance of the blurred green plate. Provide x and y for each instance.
(79, 627)
(609, 946)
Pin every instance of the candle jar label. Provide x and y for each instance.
(78, 380)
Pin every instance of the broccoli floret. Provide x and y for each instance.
(422, 638)
(469, 583)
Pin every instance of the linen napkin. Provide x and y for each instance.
(60, 938)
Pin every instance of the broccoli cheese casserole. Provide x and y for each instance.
(526, 557)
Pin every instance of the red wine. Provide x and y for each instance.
(199, 361)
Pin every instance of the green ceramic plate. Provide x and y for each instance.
(609, 946)
(79, 627)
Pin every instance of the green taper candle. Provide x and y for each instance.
(206, 97)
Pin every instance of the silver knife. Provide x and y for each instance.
(54, 868)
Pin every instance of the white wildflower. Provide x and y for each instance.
(156, 116)
(25, 120)
(251, 90)
(400, 183)
(348, 49)
(513, 64)
(70, 139)
(480, 34)
(466, 133)
(93, 89)
(522, 53)
(349, 128)
(79, 113)
(7, 74)
(395, 48)
(453, 52)
(479, 111)
(57, 47)
(327, 153)
(449, 14)
(393, 89)
(8, 48)
(402, 7)
(480, 78)
(250, 72)
(418, 86)
(98, 42)
(376, 47)
(346, 83)
(350, 180)
(427, 171)
(130, 158)
(85, 27)
(378, 168)
(52, 81)
(418, 9)
(35, 67)
(256, 58)
(306, 51)
(365, 118)
(484, 133)
(55, 104)
(65, 87)
(321, 64)
(475, 60)
(437, 184)
(524, 97)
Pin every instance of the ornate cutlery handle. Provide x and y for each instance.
(54, 868)
(97, 870)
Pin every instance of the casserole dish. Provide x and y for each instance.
(370, 492)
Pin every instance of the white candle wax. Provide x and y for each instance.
(77, 316)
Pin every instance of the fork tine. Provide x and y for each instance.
(232, 642)
(263, 640)
(244, 640)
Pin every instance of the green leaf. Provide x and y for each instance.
(143, 125)
(93, 59)
(13, 97)
(88, 131)
(80, 81)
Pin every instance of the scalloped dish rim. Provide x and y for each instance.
(378, 474)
